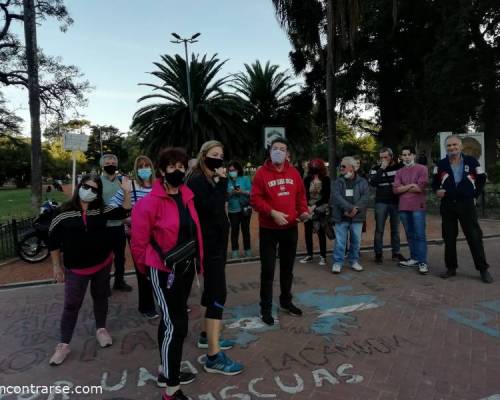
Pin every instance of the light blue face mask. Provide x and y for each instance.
(144, 173)
(233, 174)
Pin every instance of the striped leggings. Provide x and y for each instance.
(173, 326)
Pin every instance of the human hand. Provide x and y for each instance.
(303, 217)
(221, 172)
(126, 184)
(279, 217)
(440, 193)
(58, 273)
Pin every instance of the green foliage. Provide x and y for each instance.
(217, 114)
(15, 160)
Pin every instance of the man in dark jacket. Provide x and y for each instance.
(349, 199)
(386, 204)
(458, 181)
(278, 195)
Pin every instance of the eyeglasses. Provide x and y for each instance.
(343, 166)
(92, 188)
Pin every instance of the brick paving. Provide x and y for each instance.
(19, 271)
(385, 333)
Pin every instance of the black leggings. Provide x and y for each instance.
(237, 219)
(173, 326)
(308, 231)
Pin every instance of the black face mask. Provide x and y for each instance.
(110, 169)
(314, 170)
(213, 163)
(175, 178)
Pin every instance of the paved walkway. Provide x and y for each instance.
(385, 333)
(20, 271)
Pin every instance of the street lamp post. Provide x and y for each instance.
(179, 39)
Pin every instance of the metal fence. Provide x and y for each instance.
(10, 233)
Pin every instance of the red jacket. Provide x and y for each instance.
(156, 215)
(281, 191)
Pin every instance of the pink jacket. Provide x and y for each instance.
(156, 216)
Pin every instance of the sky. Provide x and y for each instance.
(115, 42)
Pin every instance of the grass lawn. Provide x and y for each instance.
(16, 203)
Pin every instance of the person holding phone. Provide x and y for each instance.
(239, 209)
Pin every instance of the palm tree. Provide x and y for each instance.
(217, 114)
(271, 100)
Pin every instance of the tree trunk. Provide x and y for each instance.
(330, 92)
(34, 101)
(390, 134)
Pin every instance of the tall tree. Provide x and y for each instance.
(217, 114)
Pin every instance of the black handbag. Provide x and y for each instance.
(180, 253)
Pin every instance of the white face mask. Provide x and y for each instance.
(87, 195)
(278, 156)
(409, 163)
(348, 175)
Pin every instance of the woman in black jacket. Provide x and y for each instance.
(317, 184)
(79, 232)
(209, 184)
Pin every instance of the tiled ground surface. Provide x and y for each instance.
(385, 333)
(19, 271)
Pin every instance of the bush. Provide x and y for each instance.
(494, 174)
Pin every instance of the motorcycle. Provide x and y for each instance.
(33, 246)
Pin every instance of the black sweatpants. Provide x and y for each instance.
(308, 232)
(270, 239)
(237, 219)
(173, 326)
(119, 242)
(464, 212)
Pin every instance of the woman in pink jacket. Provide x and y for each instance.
(166, 244)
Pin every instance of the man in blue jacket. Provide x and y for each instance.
(458, 181)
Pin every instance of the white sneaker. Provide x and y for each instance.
(103, 337)
(322, 261)
(336, 268)
(306, 259)
(423, 268)
(408, 263)
(357, 267)
(60, 354)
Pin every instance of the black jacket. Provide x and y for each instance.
(325, 190)
(469, 188)
(83, 245)
(383, 180)
(210, 203)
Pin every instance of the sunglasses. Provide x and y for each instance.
(343, 166)
(92, 188)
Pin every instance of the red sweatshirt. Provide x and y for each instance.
(281, 191)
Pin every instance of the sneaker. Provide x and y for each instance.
(408, 263)
(150, 314)
(486, 277)
(322, 261)
(185, 378)
(267, 318)
(398, 257)
(223, 365)
(235, 254)
(357, 267)
(379, 259)
(336, 268)
(248, 253)
(224, 344)
(306, 259)
(103, 337)
(423, 268)
(176, 396)
(60, 354)
(292, 310)
(122, 286)
(448, 274)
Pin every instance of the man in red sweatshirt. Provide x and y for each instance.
(278, 195)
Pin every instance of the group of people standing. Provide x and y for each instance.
(179, 229)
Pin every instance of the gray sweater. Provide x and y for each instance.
(341, 203)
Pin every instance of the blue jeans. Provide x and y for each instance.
(414, 224)
(341, 231)
(382, 211)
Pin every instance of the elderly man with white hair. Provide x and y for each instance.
(349, 199)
